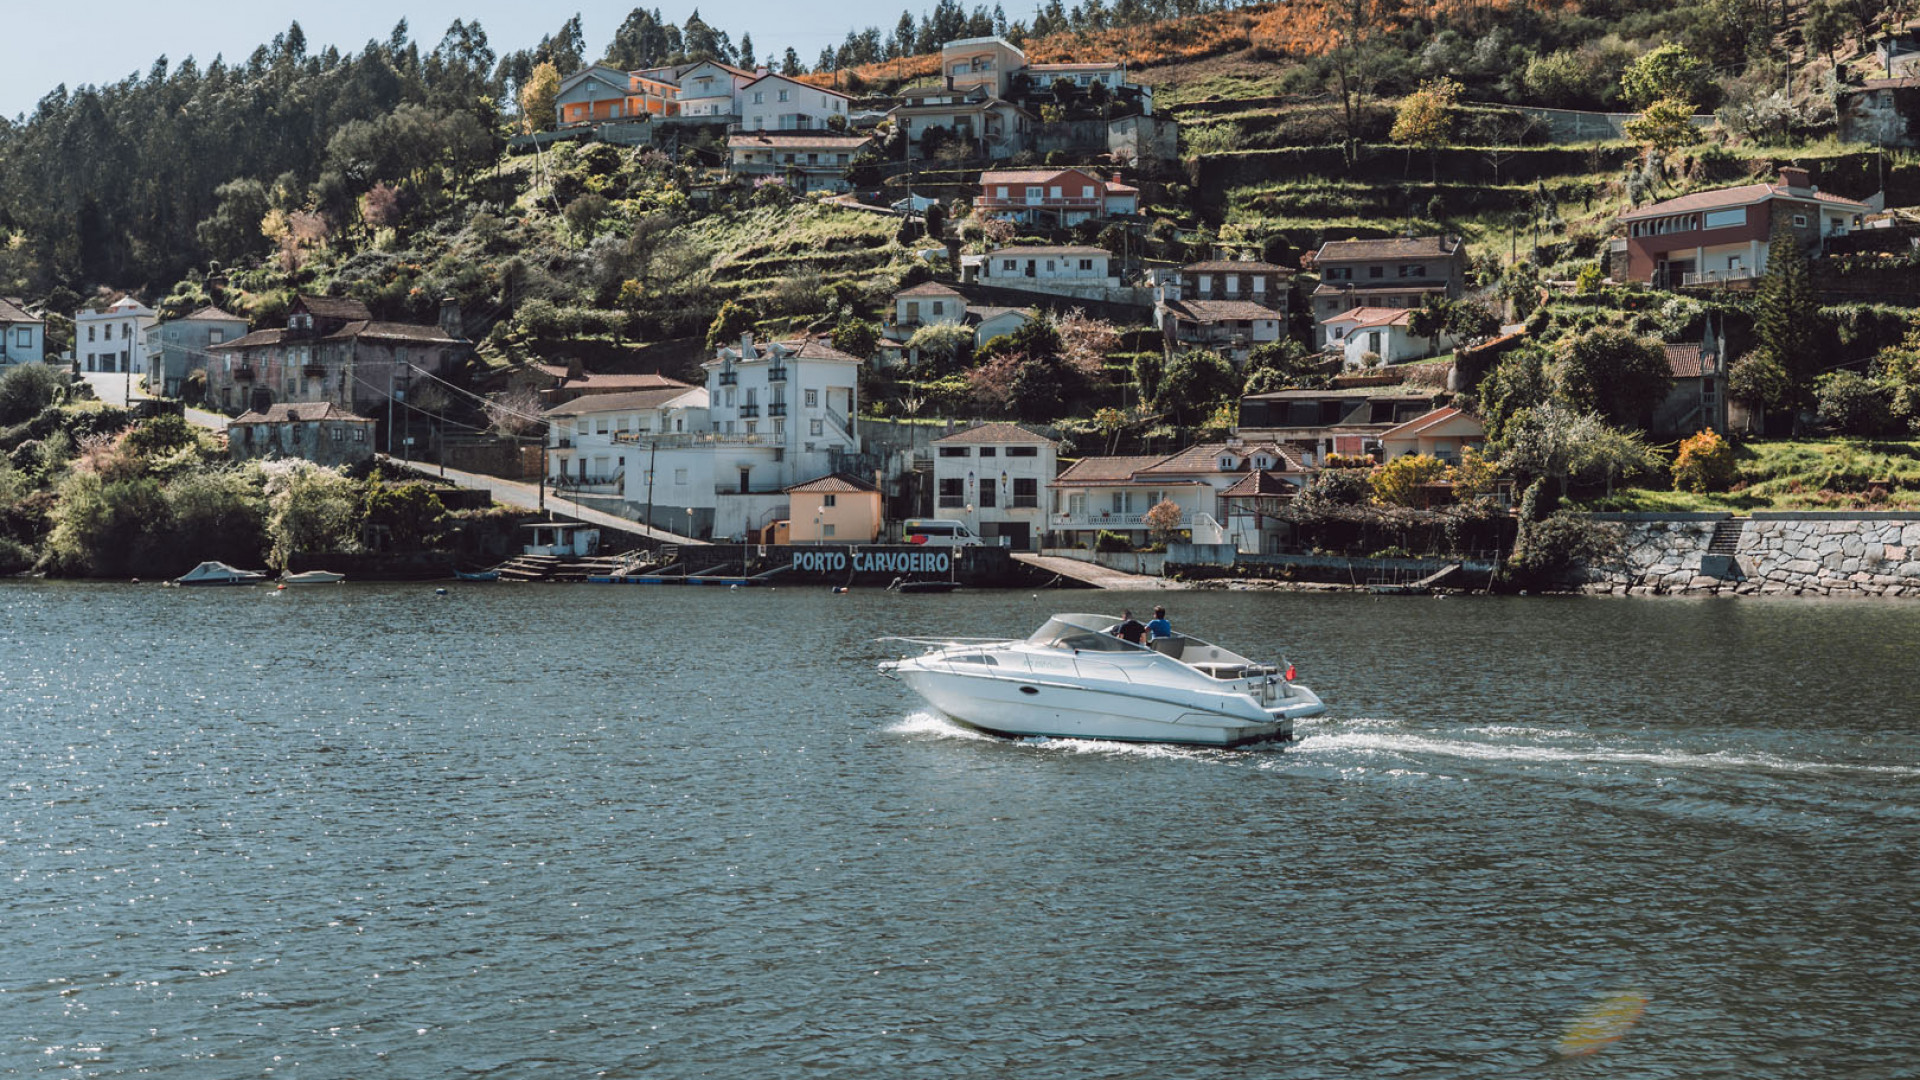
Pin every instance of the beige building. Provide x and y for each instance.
(836, 508)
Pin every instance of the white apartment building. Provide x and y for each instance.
(113, 338)
(778, 414)
(994, 478)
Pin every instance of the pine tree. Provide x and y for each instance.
(1786, 314)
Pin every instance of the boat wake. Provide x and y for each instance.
(1378, 738)
(934, 725)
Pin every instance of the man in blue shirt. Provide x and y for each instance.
(1159, 627)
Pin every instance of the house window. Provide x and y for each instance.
(1799, 221)
(813, 399)
(1000, 191)
(1026, 492)
(783, 95)
(214, 337)
(939, 307)
(1034, 194)
(759, 97)
(829, 501)
(1053, 192)
(1086, 264)
(680, 476)
(953, 492)
(1086, 191)
(987, 451)
(816, 427)
(827, 529)
(1376, 271)
(1009, 264)
(90, 330)
(753, 427)
(1023, 451)
(360, 434)
(987, 493)
(955, 451)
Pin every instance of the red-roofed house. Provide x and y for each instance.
(1699, 396)
(1053, 196)
(1114, 493)
(1720, 237)
(838, 508)
(1371, 337)
(1442, 434)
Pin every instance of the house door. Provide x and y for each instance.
(1017, 534)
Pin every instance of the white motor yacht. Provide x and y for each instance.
(1074, 679)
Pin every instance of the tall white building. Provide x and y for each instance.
(778, 414)
(113, 338)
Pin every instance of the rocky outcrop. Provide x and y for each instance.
(1863, 554)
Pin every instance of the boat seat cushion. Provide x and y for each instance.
(1170, 646)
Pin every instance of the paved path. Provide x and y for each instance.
(1093, 574)
(527, 496)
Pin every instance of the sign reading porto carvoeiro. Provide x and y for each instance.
(873, 560)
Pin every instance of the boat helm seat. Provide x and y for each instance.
(1170, 646)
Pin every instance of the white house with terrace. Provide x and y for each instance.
(585, 451)
(994, 477)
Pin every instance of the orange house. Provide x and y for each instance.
(600, 93)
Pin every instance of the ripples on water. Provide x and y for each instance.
(514, 831)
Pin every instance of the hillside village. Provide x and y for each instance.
(1279, 283)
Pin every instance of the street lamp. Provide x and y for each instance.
(689, 522)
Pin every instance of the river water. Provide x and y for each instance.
(368, 831)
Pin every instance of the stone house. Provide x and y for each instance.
(333, 350)
(320, 432)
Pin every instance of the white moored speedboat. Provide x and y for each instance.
(1073, 679)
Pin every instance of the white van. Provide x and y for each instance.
(941, 533)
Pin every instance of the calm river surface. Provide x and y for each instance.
(369, 831)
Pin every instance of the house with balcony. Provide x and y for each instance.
(994, 478)
(113, 336)
(1374, 337)
(816, 160)
(178, 347)
(1400, 272)
(1229, 306)
(332, 349)
(989, 125)
(835, 509)
(586, 452)
(1347, 418)
(1115, 493)
(320, 432)
(710, 88)
(778, 414)
(598, 94)
(23, 335)
(1057, 197)
(1720, 237)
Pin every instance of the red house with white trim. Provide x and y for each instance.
(1720, 237)
(1056, 196)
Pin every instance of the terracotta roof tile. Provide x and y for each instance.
(285, 411)
(1261, 483)
(1104, 470)
(637, 399)
(833, 482)
(1213, 311)
(343, 308)
(994, 435)
(1233, 266)
(930, 288)
(1400, 247)
(1726, 198)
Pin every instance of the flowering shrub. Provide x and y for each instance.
(1704, 463)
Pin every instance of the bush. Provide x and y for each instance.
(1546, 552)
(27, 389)
(1398, 482)
(15, 557)
(1108, 540)
(1704, 463)
(1852, 404)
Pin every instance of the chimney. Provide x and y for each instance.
(1796, 179)
(746, 346)
(450, 317)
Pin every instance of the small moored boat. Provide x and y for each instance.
(313, 577)
(477, 575)
(219, 573)
(1072, 678)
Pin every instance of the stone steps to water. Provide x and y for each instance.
(1726, 536)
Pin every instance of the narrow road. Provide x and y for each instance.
(1100, 577)
(527, 496)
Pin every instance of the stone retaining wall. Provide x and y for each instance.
(1856, 554)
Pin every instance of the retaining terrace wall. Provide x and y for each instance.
(1856, 554)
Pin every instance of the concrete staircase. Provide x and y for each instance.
(1718, 560)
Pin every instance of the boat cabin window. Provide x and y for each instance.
(1066, 635)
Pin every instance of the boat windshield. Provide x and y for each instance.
(1087, 633)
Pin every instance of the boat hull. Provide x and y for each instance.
(1026, 708)
(314, 577)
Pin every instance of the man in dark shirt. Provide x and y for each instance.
(1130, 628)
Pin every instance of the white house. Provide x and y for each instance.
(1381, 332)
(1115, 493)
(113, 338)
(1065, 270)
(711, 88)
(1232, 328)
(585, 451)
(23, 335)
(178, 347)
(778, 414)
(993, 477)
(776, 103)
(810, 160)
